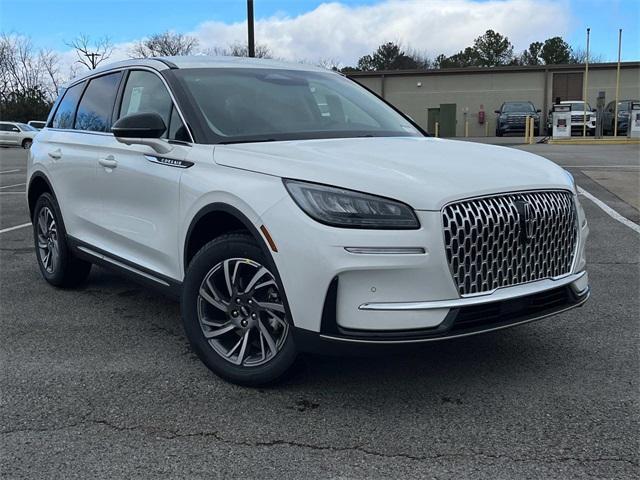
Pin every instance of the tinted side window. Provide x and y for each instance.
(96, 106)
(4, 128)
(145, 93)
(66, 110)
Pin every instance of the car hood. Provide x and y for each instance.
(425, 173)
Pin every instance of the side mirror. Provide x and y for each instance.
(538, 111)
(594, 109)
(142, 129)
(14, 129)
(497, 111)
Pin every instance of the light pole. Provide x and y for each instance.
(586, 86)
(251, 43)
(615, 118)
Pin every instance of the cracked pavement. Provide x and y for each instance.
(101, 383)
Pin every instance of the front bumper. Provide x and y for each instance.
(459, 322)
(341, 297)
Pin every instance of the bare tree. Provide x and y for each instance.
(167, 44)
(579, 55)
(329, 64)
(91, 53)
(241, 50)
(29, 79)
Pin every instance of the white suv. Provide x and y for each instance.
(17, 134)
(292, 210)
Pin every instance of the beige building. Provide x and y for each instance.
(452, 95)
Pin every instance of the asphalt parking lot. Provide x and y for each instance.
(101, 383)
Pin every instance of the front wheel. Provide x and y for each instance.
(26, 143)
(234, 312)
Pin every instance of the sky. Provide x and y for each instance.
(339, 31)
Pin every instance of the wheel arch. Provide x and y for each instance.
(234, 218)
(214, 220)
(38, 184)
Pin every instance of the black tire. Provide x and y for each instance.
(26, 143)
(498, 133)
(536, 132)
(67, 270)
(234, 247)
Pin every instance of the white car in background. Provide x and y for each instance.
(292, 210)
(15, 134)
(578, 115)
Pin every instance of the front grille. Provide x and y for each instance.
(579, 118)
(513, 120)
(511, 239)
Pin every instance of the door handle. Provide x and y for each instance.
(56, 154)
(108, 162)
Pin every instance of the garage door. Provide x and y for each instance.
(567, 86)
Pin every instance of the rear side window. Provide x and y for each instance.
(66, 110)
(96, 106)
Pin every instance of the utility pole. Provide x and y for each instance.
(92, 59)
(251, 43)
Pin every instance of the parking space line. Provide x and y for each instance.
(10, 171)
(600, 166)
(17, 227)
(16, 185)
(610, 211)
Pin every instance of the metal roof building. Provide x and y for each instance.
(454, 94)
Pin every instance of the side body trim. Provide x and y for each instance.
(86, 251)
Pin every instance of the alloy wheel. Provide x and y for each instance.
(48, 244)
(241, 312)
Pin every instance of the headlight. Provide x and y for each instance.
(348, 209)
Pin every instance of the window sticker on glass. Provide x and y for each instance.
(134, 103)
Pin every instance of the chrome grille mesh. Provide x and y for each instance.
(486, 244)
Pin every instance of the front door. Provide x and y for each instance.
(139, 187)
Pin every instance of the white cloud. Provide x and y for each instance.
(344, 33)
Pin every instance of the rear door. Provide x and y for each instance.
(138, 218)
(69, 159)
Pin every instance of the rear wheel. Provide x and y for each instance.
(57, 263)
(235, 313)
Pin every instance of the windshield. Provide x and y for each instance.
(518, 107)
(578, 106)
(27, 128)
(244, 105)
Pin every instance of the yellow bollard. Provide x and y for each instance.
(526, 129)
(437, 128)
(532, 130)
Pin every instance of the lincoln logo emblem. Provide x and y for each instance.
(525, 215)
